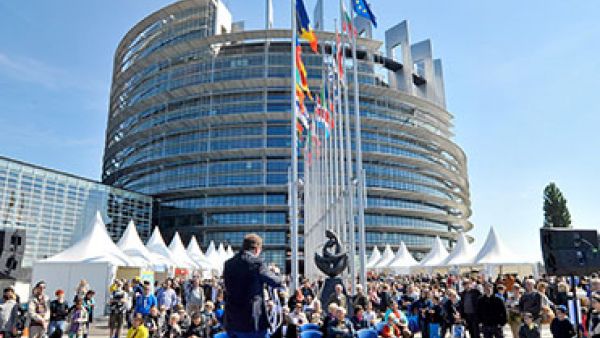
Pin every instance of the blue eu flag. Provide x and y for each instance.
(362, 8)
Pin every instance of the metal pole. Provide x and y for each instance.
(349, 174)
(359, 168)
(294, 158)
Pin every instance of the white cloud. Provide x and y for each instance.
(27, 69)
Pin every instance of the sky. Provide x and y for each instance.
(522, 80)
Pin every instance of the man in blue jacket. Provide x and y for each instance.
(245, 275)
(145, 301)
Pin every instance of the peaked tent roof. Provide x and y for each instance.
(403, 258)
(178, 250)
(374, 258)
(386, 258)
(222, 253)
(131, 245)
(213, 256)
(230, 252)
(437, 254)
(494, 251)
(156, 245)
(196, 254)
(95, 246)
(463, 253)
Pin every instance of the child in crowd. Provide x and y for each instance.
(78, 320)
(529, 329)
(560, 326)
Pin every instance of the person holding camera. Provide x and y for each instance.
(245, 276)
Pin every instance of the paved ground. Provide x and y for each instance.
(100, 330)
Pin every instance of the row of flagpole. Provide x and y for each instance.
(329, 179)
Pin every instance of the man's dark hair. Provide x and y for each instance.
(251, 242)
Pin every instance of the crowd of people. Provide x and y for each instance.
(392, 306)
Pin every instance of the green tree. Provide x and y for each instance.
(556, 213)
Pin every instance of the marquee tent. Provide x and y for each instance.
(374, 258)
(230, 252)
(94, 258)
(196, 254)
(178, 250)
(463, 253)
(131, 245)
(495, 252)
(386, 258)
(213, 256)
(222, 253)
(436, 256)
(156, 245)
(403, 261)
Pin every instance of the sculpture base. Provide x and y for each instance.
(329, 289)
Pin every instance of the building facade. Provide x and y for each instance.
(200, 119)
(55, 208)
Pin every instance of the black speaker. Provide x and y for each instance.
(570, 252)
(12, 249)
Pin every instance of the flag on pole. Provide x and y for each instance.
(301, 75)
(362, 9)
(303, 26)
(347, 25)
(339, 56)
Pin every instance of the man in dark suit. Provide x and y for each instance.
(245, 275)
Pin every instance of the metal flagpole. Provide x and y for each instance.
(349, 174)
(359, 169)
(336, 172)
(294, 173)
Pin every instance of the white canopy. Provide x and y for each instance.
(94, 257)
(131, 245)
(463, 253)
(403, 260)
(213, 256)
(94, 247)
(196, 254)
(156, 245)
(494, 252)
(222, 253)
(386, 258)
(375, 257)
(181, 256)
(436, 256)
(230, 252)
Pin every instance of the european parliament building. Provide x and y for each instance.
(199, 119)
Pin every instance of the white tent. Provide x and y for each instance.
(196, 254)
(95, 246)
(131, 245)
(230, 252)
(156, 245)
(94, 258)
(463, 253)
(386, 258)
(374, 258)
(213, 256)
(437, 254)
(222, 253)
(178, 250)
(403, 260)
(494, 252)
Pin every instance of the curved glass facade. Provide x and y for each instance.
(200, 120)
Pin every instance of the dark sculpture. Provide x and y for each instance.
(332, 263)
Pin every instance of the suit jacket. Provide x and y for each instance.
(245, 276)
